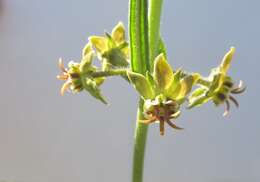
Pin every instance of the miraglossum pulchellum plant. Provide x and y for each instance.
(164, 90)
(142, 62)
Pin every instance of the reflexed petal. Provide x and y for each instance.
(163, 73)
(141, 84)
(118, 33)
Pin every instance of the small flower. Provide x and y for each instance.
(221, 87)
(112, 49)
(161, 110)
(71, 76)
(78, 77)
(163, 92)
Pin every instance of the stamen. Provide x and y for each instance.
(175, 115)
(173, 125)
(227, 108)
(162, 127)
(62, 77)
(240, 85)
(61, 66)
(234, 101)
(238, 90)
(65, 87)
(147, 121)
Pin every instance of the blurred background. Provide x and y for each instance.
(46, 137)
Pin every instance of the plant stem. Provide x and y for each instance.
(138, 33)
(112, 72)
(141, 131)
(122, 72)
(139, 45)
(155, 8)
(142, 46)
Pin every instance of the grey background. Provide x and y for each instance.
(46, 137)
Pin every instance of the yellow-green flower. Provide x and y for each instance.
(163, 91)
(221, 86)
(112, 49)
(77, 77)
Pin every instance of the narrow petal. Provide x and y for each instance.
(163, 73)
(175, 115)
(147, 121)
(238, 90)
(61, 65)
(234, 101)
(173, 125)
(186, 85)
(65, 87)
(141, 84)
(227, 108)
(86, 49)
(226, 61)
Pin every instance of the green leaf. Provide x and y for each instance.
(163, 73)
(141, 85)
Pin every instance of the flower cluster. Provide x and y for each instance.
(111, 50)
(163, 89)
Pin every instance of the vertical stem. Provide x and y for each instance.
(138, 33)
(155, 8)
(141, 131)
(139, 45)
(143, 41)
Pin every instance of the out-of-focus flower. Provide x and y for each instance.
(221, 87)
(77, 76)
(112, 49)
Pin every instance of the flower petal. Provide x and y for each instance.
(86, 49)
(163, 73)
(118, 33)
(141, 85)
(100, 43)
(226, 61)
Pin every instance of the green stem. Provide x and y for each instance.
(122, 72)
(141, 131)
(138, 33)
(155, 8)
(112, 72)
(139, 45)
(142, 46)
